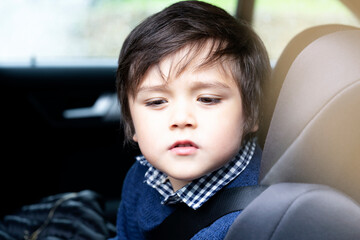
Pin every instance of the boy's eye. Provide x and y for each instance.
(209, 100)
(155, 102)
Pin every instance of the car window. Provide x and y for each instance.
(277, 21)
(41, 32)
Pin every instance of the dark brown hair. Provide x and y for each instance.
(194, 23)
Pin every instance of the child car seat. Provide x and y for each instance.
(311, 135)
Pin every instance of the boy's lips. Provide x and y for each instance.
(183, 147)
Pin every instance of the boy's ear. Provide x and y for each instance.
(255, 128)
(135, 137)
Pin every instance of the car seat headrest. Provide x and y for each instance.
(314, 133)
(287, 57)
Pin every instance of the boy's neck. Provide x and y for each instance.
(177, 184)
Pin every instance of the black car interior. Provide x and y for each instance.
(61, 133)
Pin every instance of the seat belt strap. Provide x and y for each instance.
(185, 222)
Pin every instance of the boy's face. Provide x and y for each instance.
(188, 124)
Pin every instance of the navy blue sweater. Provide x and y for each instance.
(141, 210)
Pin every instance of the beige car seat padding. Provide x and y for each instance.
(291, 51)
(314, 133)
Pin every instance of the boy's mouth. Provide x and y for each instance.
(183, 143)
(183, 148)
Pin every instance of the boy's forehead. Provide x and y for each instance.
(187, 60)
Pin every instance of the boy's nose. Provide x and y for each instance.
(183, 117)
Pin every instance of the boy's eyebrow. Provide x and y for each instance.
(196, 85)
(213, 84)
(155, 88)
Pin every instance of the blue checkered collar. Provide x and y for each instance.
(197, 192)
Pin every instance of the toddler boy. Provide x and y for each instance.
(189, 82)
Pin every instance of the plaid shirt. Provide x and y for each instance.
(196, 193)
